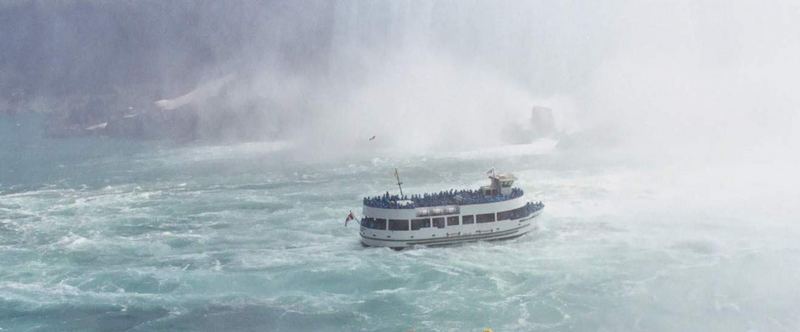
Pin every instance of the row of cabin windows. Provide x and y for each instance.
(481, 218)
(440, 222)
(374, 223)
(513, 214)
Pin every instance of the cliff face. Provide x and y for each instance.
(143, 47)
(86, 63)
(543, 123)
(96, 68)
(109, 117)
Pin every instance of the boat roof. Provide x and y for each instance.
(504, 177)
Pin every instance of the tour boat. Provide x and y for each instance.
(494, 212)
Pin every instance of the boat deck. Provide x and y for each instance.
(442, 198)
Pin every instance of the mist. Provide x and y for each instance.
(422, 76)
(187, 164)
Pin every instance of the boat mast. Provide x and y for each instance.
(399, 184)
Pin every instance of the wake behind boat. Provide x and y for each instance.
(494, 212)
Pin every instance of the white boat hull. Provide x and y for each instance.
(499, 230)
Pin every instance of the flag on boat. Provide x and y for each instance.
(350, 216)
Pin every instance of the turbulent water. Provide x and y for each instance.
(99, 234)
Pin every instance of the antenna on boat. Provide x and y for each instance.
(399, 184)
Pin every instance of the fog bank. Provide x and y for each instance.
(656, 78)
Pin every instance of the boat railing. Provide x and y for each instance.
(442, 198)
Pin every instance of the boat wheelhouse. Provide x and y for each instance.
(494, 212)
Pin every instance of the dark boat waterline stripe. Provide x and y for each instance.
(488, 237)
(505, 237)
(466, 238)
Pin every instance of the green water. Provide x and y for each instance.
(101, 234)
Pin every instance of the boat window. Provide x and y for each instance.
(438, 222)
(452, 221)
(487, 217)
(521, 212)
(505, 215)
(420, 223)
(513, 214)
(374, 223)
(398, 225)
(470, 219)
(366, 222)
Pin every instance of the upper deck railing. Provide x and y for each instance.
(442, 198)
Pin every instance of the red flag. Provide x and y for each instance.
(350, 216)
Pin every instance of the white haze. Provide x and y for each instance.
(656, 81)
(657, 78)
(677, 137)
(711, 76)
(440, 75)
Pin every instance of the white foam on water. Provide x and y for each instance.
(613, 247)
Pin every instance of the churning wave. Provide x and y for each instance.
(220, 240)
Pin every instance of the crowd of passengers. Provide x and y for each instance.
(533, 207)
(448, 197)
